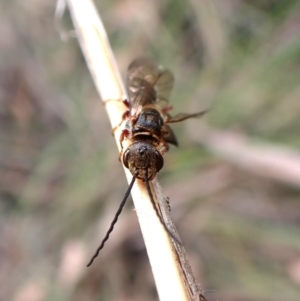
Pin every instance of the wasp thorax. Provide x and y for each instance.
(150, 118)
(143, 159)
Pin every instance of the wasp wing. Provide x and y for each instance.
(148, 83)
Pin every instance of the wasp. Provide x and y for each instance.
(147, 130)
(147, 134)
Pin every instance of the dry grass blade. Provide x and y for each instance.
(273, 161)
(100, 60)
(191, 285)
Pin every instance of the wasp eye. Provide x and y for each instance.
(159, 161)
(125, 158)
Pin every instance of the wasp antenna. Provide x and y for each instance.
(157, 213)
(114, 220)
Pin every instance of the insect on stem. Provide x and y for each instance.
(146, 131)
(114, 220)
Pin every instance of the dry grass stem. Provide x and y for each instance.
(272, 161)
(95, 46)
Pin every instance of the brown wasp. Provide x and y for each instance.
(147, 133)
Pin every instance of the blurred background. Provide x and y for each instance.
(233, 183)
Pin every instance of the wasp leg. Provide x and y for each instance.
(126, 103)
(183, 116)
(167, 109)
(124, 135)
(125, 115)
(163, 147)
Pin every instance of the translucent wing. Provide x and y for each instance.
(148, 83)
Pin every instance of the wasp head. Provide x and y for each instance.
(143, 159)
